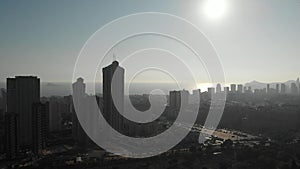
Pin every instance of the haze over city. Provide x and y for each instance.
(199, 84)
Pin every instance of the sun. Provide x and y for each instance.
(214, 9)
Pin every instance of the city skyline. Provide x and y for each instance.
(27, 115)
(64, 88)
(199, 84)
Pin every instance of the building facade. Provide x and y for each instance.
(22, 93)
(113, 95)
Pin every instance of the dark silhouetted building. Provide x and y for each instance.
(218, 88)
(226, 90)
(294, 88)
(233, 88)
(277, 88)
(240, 88)
(268, 88)
(40, 126)
(195, 97)
(210, 91)
(178, 99)
(185, 94)
(175, 99)
(57, 107)
(22, 92)
(113, 103)
(11, 135)
(79, 95)
(283, 88)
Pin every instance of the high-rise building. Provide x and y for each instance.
(179, 98)
(40, 126)
(277, 88)
(11, 135)
(218, 88)
(57, 107)
(79, 95)
(268, 88)
(226, 90)
(195, 97)
(113, 102)
(185, 94)
(233, 88)
(240, 88)
(22, 92)
(294, 88)
(283, 88)
(298, 85)
(79, 89)
(175, 99)
(3, 99)
(210, 91)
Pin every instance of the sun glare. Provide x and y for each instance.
(214, 9)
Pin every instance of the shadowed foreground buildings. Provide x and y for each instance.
(113, 80)
(22, 93)
(11, 135)
(178, 99)
(26, 119)
(78, 133)
(110, 112)
(40, 126)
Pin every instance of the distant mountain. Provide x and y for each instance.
(50, 84)
(260, 85)
(256, 85)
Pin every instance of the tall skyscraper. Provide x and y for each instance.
(185, 94)
(3, 99)
(57, 106)
(218, 88)
(40, 126)
(22, 92)
(179, 98)
(268, 88)
(277, 88)
(11, 135)
(210, 91)
(195, 97)
(113, 80)
(79, 89)
(79, 94)
(226, 90)
(174, 99)
(294, 88)
(233, 88)
(240, 88)
(283, 88)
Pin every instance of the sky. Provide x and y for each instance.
(255, 39)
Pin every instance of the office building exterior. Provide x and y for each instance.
(11, 139)
(22, 93)
(113, 80)
(40, 126)
(233, 88)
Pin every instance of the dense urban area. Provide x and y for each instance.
(258, 129)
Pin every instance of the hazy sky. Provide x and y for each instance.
(255, 39)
